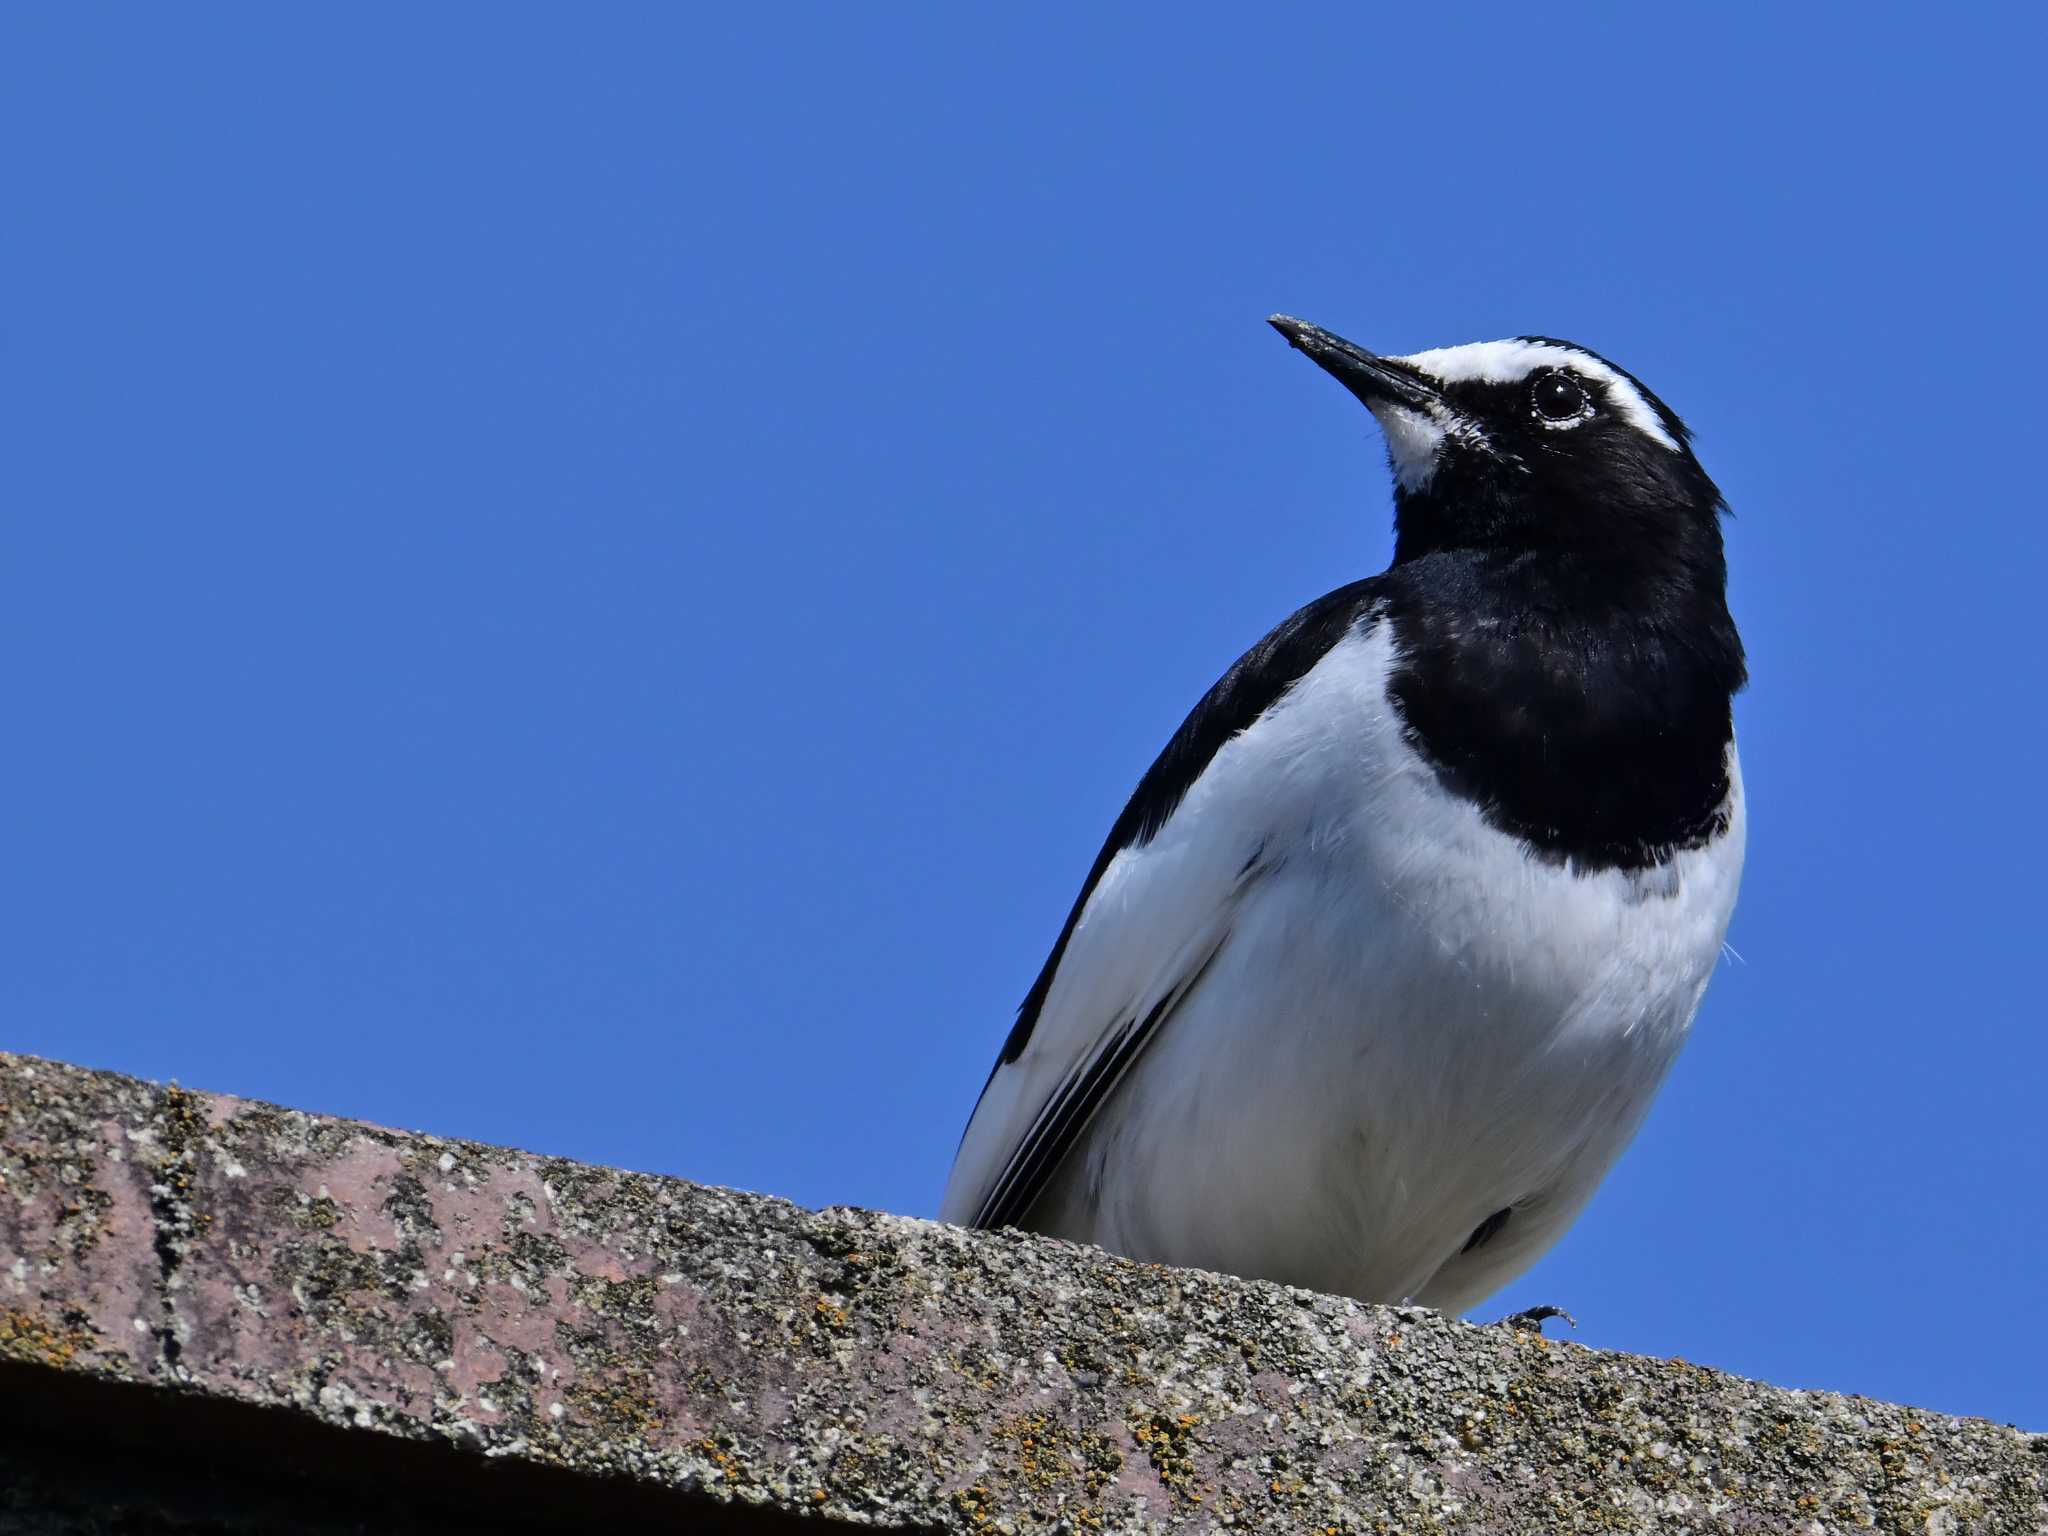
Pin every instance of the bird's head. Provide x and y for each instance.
(1528, 445)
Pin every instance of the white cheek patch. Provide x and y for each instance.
(1509, 362)
(1413, 442)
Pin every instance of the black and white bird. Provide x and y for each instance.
(1381, 966)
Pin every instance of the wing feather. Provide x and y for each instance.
(1074, 1104)
(1155, 912)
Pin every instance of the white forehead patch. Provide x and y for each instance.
(1509, 362)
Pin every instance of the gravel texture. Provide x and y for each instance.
(749, 1359)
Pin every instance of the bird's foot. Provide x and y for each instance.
(1532, 1321)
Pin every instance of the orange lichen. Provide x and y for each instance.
(26, 1336)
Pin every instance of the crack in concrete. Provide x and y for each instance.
(174, 1131)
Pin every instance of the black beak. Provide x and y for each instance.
(1375, 380)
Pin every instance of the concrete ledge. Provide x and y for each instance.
(221, 1313)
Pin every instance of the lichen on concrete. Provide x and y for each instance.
(744, 1354)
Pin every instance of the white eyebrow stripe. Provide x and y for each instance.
(1509, 362)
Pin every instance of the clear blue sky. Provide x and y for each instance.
(595, 580)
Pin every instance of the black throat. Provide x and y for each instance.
(1582, 702)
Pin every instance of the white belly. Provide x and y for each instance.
(1413, 1026)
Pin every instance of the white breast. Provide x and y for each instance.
(1413, 1024)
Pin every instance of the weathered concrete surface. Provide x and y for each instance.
(188, 1277)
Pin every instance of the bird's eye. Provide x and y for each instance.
(1559, 398)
